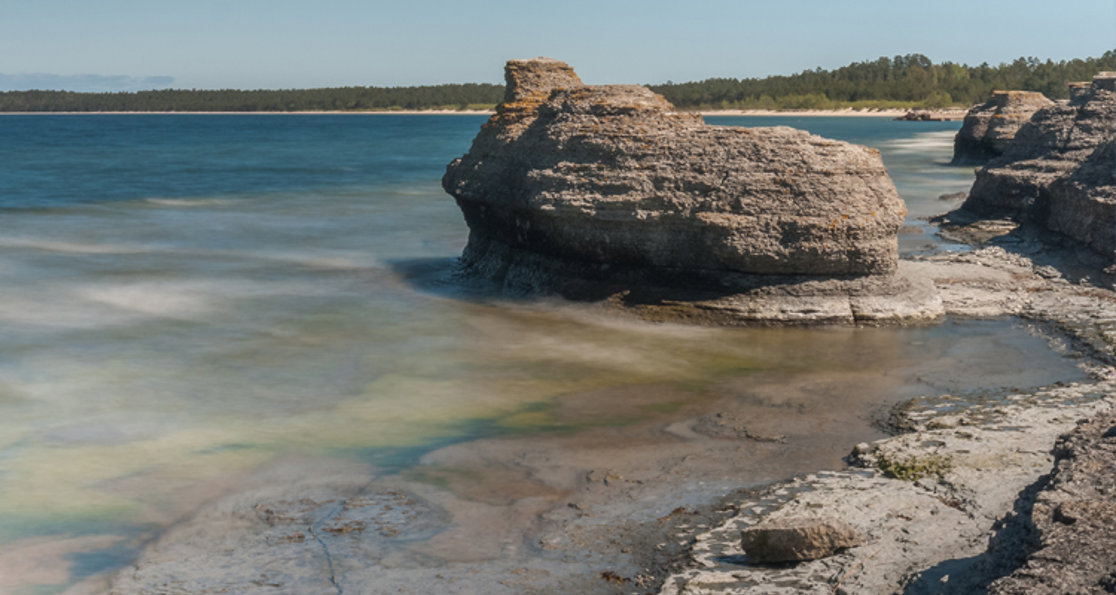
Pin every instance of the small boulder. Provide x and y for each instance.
(798, 539)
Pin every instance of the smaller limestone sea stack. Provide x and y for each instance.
(989, 128)
(595, 190)
(1060, 170)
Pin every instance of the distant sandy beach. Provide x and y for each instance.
(882, 113)
(946, 114)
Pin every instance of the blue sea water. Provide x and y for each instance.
(72, 159)
(187, 298)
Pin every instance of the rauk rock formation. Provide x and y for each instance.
(989, 128)
(1060, 170)
(574, 189)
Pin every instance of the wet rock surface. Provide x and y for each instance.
(305, 529)
(989, 128)
(594, 191)
(1059, 171)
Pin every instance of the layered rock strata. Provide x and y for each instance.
(587, 190)
(990, 127)
(1059, 171)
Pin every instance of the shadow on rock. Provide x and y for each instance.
(1054, 255)
(1007, 551)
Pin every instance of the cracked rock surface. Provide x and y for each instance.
(1072, 519)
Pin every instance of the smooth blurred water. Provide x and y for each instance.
(64, 160)
(188, 297)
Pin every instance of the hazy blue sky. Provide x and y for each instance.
(130, 44)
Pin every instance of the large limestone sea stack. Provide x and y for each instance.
(609, 191)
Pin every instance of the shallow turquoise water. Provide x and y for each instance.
(187, 298)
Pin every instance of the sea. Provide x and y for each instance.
(185, 298)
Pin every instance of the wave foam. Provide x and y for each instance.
(923, 142)
(69, 247)
(188, 202)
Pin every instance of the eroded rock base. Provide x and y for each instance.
(721, 298)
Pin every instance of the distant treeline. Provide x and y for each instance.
(463, 96)
(903, 81)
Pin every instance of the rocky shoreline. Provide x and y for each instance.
(964, 499)
(1012, 494)
(943, 504)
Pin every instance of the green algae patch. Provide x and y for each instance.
(913, 468)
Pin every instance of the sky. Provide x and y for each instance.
(128, 45)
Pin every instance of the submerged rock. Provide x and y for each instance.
(990, 127)
(582, 190)
(796, 540)
(917, 115)
(1059, 171)
(932, 115)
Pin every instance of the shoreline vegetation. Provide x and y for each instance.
(900, 84)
